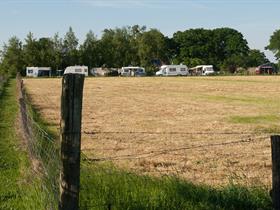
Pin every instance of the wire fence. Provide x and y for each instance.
(43, 151)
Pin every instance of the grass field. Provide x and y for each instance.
(206, 129)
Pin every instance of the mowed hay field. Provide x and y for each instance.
(206, 129)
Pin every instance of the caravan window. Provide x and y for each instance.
(183, 69)
(78, 70)
(172, 69)
(30, 71)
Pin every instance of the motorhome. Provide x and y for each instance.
(173, 70)
(132, 71)
(76, 70)
(202, 70)
(38, 71)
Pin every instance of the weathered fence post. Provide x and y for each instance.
(275, 153)
(70, 125)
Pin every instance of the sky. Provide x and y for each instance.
(255, 19)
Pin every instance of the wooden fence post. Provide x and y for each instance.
(70, 126)
(275, 153)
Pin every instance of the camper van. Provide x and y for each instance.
(202, 70)
(38, 71)
(173, 70)
(135, 71)
(76, 70)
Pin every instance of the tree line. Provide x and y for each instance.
(225, 48)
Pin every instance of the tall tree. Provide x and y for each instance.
(30, 49)
(223, 47)
(230, 45)
(89, 52)
(120, 47)
(194, 43)
(152, 48)
(256, 58)
(45, 48)
(69, 50)
(12, 57)
(274, 44)
(57, 50)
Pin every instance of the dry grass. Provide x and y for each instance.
(158, 125)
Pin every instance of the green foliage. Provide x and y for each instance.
(119, 47)
(192, 62)
(152, 47)
(70, 51)
(193, 43)
(256, 58)
(42, 52)
(12, 57)
(89, 51)
(225, 48)
(274, 43)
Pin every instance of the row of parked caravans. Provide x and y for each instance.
(183, 70)
(165, 70)
(169, 70)
(46, 71)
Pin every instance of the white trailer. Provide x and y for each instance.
(38, 71)
(76, 70)
(173, 70)
(132, 71)
(203, 70)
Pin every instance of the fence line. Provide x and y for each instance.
(43, 152)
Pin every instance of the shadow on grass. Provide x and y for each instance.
(103, 187)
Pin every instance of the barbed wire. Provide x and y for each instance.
(175, 133)
(166, 151)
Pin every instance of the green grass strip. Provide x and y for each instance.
(19, 189)
(10, 157)
(105, 187)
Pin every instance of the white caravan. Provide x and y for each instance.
(204, 70)
(38, 71)
(76, 70)
(132, 71)
(173, 70)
